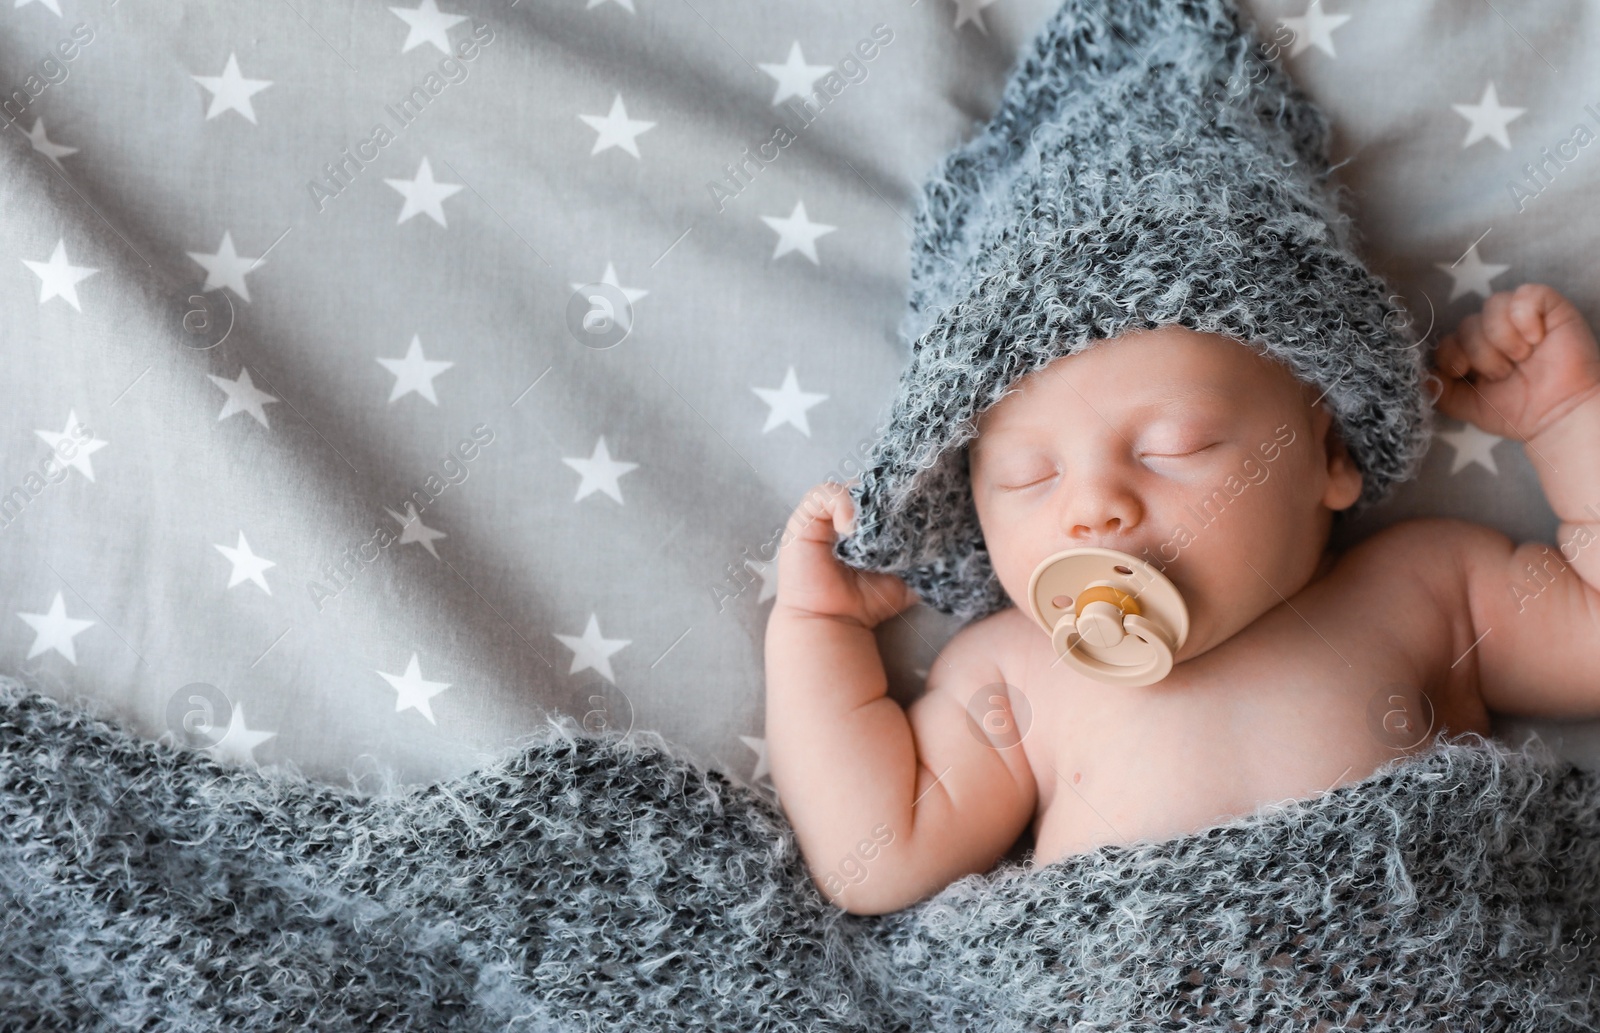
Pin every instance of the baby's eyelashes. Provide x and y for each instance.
(1181, 454)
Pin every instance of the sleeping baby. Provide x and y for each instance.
(1141, 326)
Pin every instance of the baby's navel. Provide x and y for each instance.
(1077, 776)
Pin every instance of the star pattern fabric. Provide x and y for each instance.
(243, 396)
(236, 745)
(616, 129)
(413, 691)
(425, 23)
(1470, 274)
(1471, 445)
(599, 471)
(226, 268)
(414, 373)
(55, 630)
(972, 11)
(787, 404)
(1488, 119)
(795, 77)
(231, 91)
(413, 530)
(1314, 28)
(591, 650)
(377, 483)
(797, 233)
(73, 445)
(423, 194)
(42, 143)
(247, 566)
(59, 278)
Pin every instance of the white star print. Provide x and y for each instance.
(80, 456)
(626, 5)
(788, 403)
(413, 690)
(1472, 445)
(226, 268)
(413, 530)
(795, 77)
(600, 472)
(247, 566)
(239, 741)
(42, 144)
(415, 372)
(1314, 29)
(427, 24)
(972, 11)
(1471, 275)
(797, 233)
(633, 294)
(243, 396)
(54, 630)
(53, 5)
(760, 746)
(1488, 119)
(767, 570)
(58, 278)
(231, 91)
(616, 129)
(423, 195)
(590, 650)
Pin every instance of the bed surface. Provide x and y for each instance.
(359, 490)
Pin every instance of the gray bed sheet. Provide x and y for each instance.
(432, 367)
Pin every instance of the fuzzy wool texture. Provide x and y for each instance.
(583, 883)
(1150, 164)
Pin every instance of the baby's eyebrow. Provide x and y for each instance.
(1190, 394)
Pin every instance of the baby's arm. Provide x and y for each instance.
(1528, 368)
(888, 807)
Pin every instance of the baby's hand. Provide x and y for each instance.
(812, 580)
(1519, 365)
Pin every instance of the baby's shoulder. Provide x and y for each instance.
(984, 643)
(1425, 552)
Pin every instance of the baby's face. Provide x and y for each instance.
(1189, 450)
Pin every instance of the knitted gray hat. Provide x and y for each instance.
(1150, 164)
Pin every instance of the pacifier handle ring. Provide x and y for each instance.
(1065, 639)
(1120, 614)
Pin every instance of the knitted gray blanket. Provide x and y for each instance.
(595, 883)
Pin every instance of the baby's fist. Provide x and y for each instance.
(1519, 365)
(812, 581)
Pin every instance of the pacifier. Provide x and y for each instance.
(1113, 616)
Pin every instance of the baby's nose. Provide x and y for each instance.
(1093, 511)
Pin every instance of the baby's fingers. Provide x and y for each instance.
(1483, 342)
(825, 511)
(1530, 304)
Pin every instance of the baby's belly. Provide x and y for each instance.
(1115, 765)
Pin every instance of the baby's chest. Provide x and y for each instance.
(1272, 716)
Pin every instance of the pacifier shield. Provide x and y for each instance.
(1113, 616)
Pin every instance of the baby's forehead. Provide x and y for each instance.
(1171, 370)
